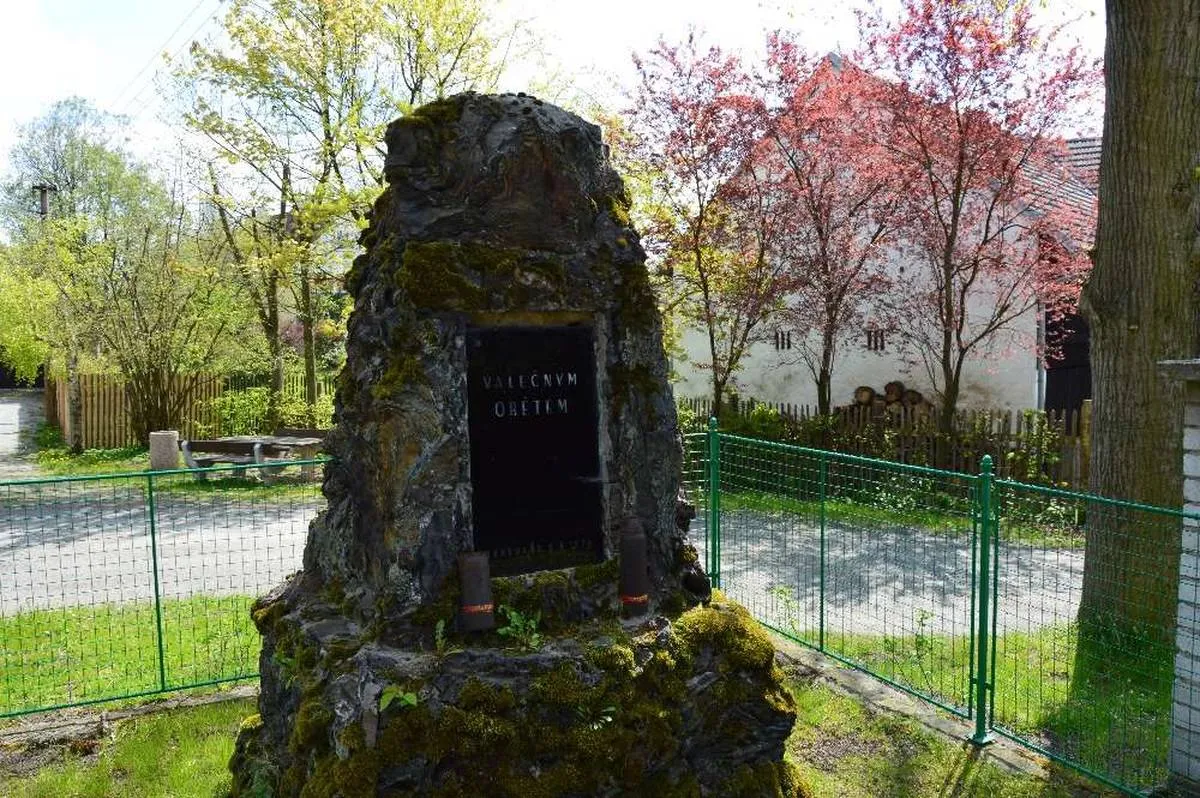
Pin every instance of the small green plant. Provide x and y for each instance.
(919, 652)
(522, 629)
(441, 646)
(393, 694)
(595, 719)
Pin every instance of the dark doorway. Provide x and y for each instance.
(1069, 376)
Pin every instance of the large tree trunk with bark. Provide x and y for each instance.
(1141, 304)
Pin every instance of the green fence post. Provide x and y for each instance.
(158, 619)
(821, 618)
(982, 735)
(714, 503)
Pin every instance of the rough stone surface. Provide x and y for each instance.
(164, 450)
(501, 210)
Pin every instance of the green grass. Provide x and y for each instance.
(1116, 723)
(173, 754)
(845, 749)
(841, 747)
(284, 487)
(61, 463)
(54, 657)
(948, 519)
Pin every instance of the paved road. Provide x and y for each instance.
(20, 414)
(886, 580)
(89, 543)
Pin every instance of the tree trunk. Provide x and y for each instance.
(74, 402)
(310, 347)
(275, 349)
(718, 390)
(1141, 304)
(951, 380)
(825, 374)
(824, 388)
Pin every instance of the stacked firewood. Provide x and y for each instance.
(895, 400)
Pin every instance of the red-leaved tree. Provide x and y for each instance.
(694, 121)
(840, 194)
(975, 95)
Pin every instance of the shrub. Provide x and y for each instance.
(245, 412)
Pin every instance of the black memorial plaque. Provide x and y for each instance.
(535, 450)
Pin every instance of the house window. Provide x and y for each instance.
(875, 341)
(783, 340)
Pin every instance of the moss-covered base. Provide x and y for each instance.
(689, 706)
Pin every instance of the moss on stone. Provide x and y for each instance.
(614, 658)
(618, 208)
(675, 602)
(727, 627)
(443, 113)
(433, 276)
(443, 605)
(763, 779)
(560, 687)
(478, 694)
(554, 595)
(602, 573)
(596, 725)
(265, 616)
(465, 276)
(312, 720)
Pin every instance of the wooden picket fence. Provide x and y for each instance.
(105, 416)
(1052, 447)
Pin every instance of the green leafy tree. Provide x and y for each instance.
(294, 100)
(118, 274)
(25, 307)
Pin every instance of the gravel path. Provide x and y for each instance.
(886, 580)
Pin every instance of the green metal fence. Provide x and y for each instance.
(961, 589)
(129, 585)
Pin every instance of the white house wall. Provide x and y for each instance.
(992, 382)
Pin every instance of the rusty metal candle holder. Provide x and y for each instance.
(476, 612)
(635, 572)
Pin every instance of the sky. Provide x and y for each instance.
(109, 51)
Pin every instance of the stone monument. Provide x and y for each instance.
(505, 406)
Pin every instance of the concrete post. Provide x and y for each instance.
(164, 450)
(1185, 701)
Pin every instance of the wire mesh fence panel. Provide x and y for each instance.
(222, 542)
(1084, 657)
(121, 586)
(770, 533)
(694, 484)
(900, 574)
(871, 562)
(76, 593)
